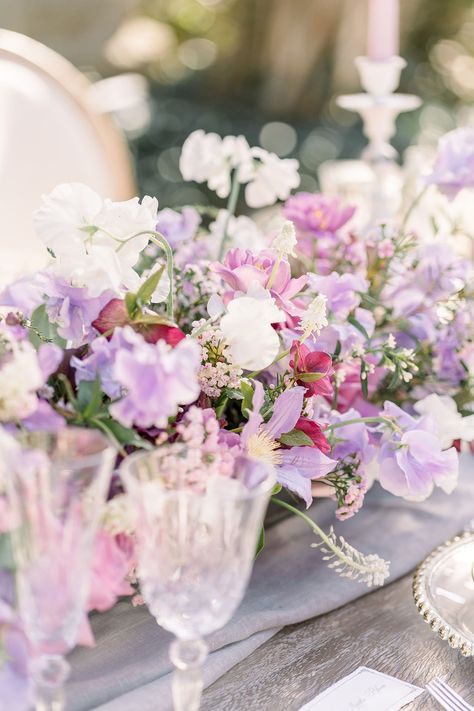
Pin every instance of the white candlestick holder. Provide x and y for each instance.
(380, 106)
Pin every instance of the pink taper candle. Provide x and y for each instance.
(383, 30)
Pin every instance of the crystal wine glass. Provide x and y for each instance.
(197, 536)
(56, 492)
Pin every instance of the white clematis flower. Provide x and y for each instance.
(247, 328)
(274, 178)
(450, 424)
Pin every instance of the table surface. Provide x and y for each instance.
(381, 630)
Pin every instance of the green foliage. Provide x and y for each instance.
(41, 330)
(296, 438)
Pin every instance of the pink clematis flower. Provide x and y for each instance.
(295, 467)
(312, 369)
(242, 269)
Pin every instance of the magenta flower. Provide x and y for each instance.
(312, 369)
(242, 269)
(454, 167)
(316, 213)
(295, 467)
(411, 461)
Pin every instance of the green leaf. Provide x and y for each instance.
(260, 542)
(131, 304)
(363, 383)
(89, 397)
(145, 292)
(221, 405)
(310, 377)
(247, 391)
(6, 553)
(42, 330)
(296, 438)
(123, 435)
(234, 394)
(276, 489)
(337, 349)
(354, 322)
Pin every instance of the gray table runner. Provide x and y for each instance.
(128, 670)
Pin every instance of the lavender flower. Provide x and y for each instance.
(316, 213)
(156, 379)
(73, 310)
(411, 460)
(454, 167)
(178, 226)
(15, 690)
(341, 290)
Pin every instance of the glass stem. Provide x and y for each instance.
(49, 672)
(187, 656)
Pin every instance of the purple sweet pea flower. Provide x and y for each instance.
(454, 167)
(156, 379)
(26, 294)
(15, 690)
(101, 359)
(342, 291)
(74, 310)
(242, 269)
(411, 461)
(294, 467)
(355, 438)
(178, 226)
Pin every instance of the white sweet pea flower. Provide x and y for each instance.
(315, 316)
(206, 157)
(450, 424)
(247, 328)
(285, 241)
(67, 217)
(242, 232)
(274, 178)
(93, 239)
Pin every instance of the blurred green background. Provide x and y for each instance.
(269, 69)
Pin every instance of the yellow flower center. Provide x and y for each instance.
(319, 215)
(262, 446)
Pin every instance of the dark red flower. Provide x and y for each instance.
(315, 433)
(312, 369)
(115, 314)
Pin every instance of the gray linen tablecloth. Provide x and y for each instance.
(128, 670)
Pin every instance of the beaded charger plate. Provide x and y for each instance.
(443, 589)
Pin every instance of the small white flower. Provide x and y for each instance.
(285, 241)
(20, 378)
(450, 424)
(118, 516)
(391, 341)
(273, 180)
(315, 316)
(247, 328)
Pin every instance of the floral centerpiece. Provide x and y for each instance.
(337, 358)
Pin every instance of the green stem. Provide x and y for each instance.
(273, 272)
(231, 205)
(414, 204)
(279, 357)
(357, 420)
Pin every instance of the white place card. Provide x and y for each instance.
(365, 690)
